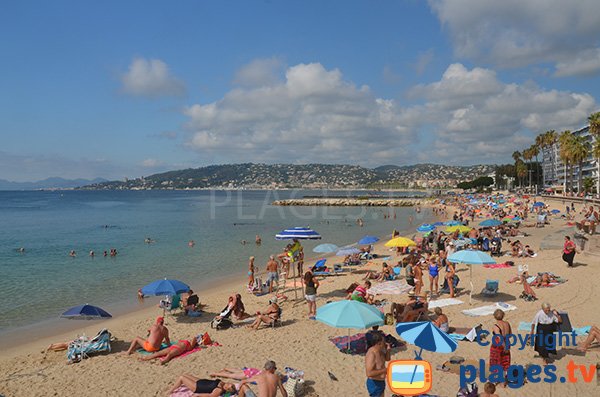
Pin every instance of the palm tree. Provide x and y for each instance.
(521, 169)
(565, 139)
(527, 156)
(579, 153)
(594, 120)
(536, 148)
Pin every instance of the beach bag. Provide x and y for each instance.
(220, 323)
(389, 319)
(294, 387)
(470, 390)
(206, 341)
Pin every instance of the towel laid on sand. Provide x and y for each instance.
(489, 309)
(497, 266)
(579, 331)
(358, 343)
(444, 302)
(395, 287)
(162, 346)
(183, 391)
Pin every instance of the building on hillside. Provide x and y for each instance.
(554, 169)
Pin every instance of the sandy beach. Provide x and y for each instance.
(304, 344)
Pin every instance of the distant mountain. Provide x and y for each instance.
(48, 183)
(315, 176)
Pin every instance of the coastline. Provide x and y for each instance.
(27, 338)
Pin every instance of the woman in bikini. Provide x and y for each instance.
(173, 351)
(203, 387)
(450, 277)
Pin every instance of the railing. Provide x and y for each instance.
(573, 199)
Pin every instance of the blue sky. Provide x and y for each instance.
(122, 89)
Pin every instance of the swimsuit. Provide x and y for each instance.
(250, 372)
(206, 385)
(149, 348)
(375, 387)
(433, 270)
(187, 344)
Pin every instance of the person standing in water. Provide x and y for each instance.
(251, 272)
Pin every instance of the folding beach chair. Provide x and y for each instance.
(81, 348)
(491, 288)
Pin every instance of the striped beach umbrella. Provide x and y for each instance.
(300, 233)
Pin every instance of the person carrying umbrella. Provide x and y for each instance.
(375, 365)
(157, 333)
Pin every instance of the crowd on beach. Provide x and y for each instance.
(424, 266)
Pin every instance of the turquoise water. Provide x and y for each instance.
(44, 281)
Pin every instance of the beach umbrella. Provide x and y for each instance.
(300, 233)
(490, 223)
(400, 242)
(85, 312)
(452, 223)
(345, 251)
(426, 227)
(471, 257)
(459, 228)
(165, 287)
(538, 204)
(368, 240)
(555, 211)
(349, 314)
(426, 336)
(438, 224)
(325, 248)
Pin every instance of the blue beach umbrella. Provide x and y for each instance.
(490, 223)
(538, 204)
(426, 227)
(452, 223)
(300, 233)
(368, 240)
(320, 263)
(165, 287)
(349, 314)
(425, 335)
(555, 211)
(85, 312)
(438, 224)
(325, 248)
(471, 257)
(348, 251)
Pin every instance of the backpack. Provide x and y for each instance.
(221, 323)
(470, 390)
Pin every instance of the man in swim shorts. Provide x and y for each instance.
(267, 383)
(156, 334)
(375, 366)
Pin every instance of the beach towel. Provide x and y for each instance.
(162, 346)
(489, 309)
(580, 331)
(498, 266)
(444, 302)
(458, 337)
(394, 287)
(358, 343)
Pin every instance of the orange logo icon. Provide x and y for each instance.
(409, 377)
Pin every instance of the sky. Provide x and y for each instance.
(118, 89)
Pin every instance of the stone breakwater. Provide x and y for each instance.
(349, 202)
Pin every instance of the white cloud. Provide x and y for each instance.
(151, 163)
(313, 115)
(259, 72)
(477, 116)
(151, 78)
(586, 63)
(513, 33)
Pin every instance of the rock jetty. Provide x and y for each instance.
(349, 202)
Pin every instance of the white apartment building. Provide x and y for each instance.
(554, 169)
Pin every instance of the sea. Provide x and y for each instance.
(37, 285)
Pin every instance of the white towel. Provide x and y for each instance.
(444, 302)
(490, 309)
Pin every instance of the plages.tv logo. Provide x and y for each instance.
(409, 377)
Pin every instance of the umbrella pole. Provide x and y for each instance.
(294, 273)
(471, 282)
(348, 340)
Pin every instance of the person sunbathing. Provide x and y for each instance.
(203, 387)
(441, 321)
(409, 311)
(173, 351)
(544, 280)
(594, 335)
(239, 311)
(269, 316)
(360, 294)
(528, 292)
(385, 274)
(157, 333)
(236, 373)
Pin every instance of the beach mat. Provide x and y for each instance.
(579, 331)
(444, 302)
(489, 309)
(394, 287)
(498, 266)
(358, 343)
